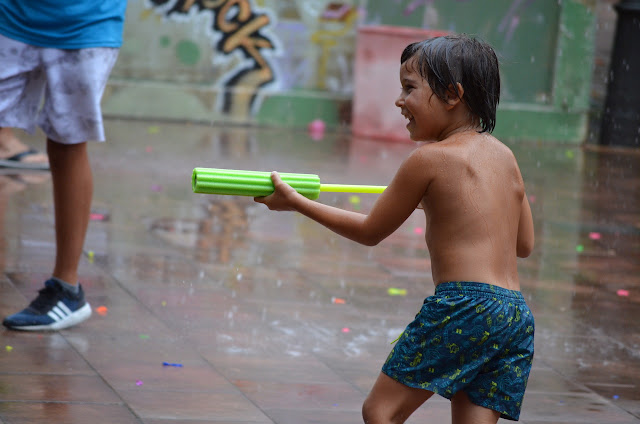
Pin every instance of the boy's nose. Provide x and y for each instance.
(399, 101)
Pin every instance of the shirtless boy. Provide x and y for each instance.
(472, 341)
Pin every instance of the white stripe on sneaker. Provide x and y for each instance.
(65, 308)
(53, 316)
(56, 310)
(59, 312)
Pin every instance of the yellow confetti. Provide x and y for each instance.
(393, 291)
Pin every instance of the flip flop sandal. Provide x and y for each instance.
(17, 161)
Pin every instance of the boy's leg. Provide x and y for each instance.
(72, 193)
(463, 411)
(59, 304)
(392, 402)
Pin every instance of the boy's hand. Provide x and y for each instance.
(282, 199)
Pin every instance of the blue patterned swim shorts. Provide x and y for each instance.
(468, 336)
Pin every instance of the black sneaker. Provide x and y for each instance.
(54, 309)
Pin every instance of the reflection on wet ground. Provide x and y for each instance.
(276, 320)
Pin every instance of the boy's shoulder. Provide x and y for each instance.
(466, 148)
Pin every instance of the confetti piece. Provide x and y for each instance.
(569, 154)
(139, 382)
(8, 348)
(616, 397)
(532, 199)
(623, 293)
(169, 364)
(164, 303)
(153, 129)
(579, 248)
(91, 255)
(418, 230)
(97, 217)
(594, 236)
(149, 149)
(144, 336)
(338, 300)
(393, 291)
(354, 200)
(102, 310)
(157, 188)
(345, 330)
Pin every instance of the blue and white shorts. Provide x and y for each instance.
(70, 81)
(468, 336)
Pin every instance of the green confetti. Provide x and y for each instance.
(579, 248)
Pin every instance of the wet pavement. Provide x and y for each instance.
(274, 319)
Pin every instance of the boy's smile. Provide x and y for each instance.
(417, 105)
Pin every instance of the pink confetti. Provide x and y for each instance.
(156, 188)
(623, 293)
(418, 230)
(149, 149)
(532, 199)
(345, 330)
(139, 382)
(97, 216)
(594, 236)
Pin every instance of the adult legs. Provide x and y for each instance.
(72, 194)
(392, 402)
(463, 411)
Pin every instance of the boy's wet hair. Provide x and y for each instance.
(448, 60)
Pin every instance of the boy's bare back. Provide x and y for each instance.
(472, 206)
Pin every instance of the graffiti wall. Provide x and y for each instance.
(233, 54)
(289, 62)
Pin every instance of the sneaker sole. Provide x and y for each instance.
(75, 318)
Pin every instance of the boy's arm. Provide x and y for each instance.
(391, 209)
(525, 242)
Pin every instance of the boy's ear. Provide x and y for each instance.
(454, 98)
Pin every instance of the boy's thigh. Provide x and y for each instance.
(76, 81)
(391, 401)
(22, 84)
(464, 411)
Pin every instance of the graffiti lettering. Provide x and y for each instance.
(242, 30)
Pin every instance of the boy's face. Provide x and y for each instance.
(417, 102)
